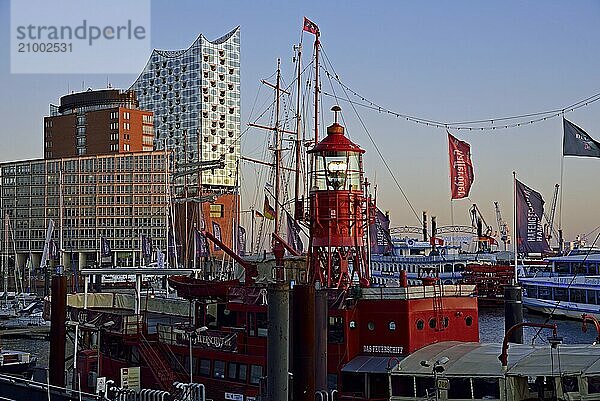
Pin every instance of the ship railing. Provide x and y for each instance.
(418, 291)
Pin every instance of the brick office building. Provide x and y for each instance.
(97, 122)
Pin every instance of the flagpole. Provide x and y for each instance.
(562, 190)
(515, 230)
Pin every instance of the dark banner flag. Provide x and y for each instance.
(105, 251)
(201, 245)
(293, 234)
(461, 167)
(217, 234)
(53, 252)
(146, 248)
(241, 241)
(530, 229)
(576, 142)
(379, 232)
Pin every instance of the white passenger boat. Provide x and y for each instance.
(571, 288)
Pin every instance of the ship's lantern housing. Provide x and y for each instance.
(338, 210)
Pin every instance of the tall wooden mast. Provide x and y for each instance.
(297, 210)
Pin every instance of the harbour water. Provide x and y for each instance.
(491, 329)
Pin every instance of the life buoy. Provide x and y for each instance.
(410, 242)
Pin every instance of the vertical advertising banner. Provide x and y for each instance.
(530, 229)
(461, 167)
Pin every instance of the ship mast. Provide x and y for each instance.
(278, 132)
(277, 148)
(317, 34)
(297, 214)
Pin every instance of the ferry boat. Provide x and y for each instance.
(413, 256)
(570, 288)
(470, 371)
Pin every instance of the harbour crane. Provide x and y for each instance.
(502, 226)
(476, 216)
(549, 227)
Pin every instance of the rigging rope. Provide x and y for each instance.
(375, 145)
(468, 125)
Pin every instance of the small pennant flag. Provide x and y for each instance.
(268, 210)
(310, 26)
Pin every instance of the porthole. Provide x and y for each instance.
(392, 325)
(432, 323)
(352, 324)
(420, 324)
(446, 321)
(371, 326)
(469, 320)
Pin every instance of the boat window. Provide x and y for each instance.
(251, 328)
(424, 385)
(432, 323)
(204, 367)
(591, 297)
(592, 269)
(545, 292)
(562, 268)
(469, 320)
(403, 386)
(459, 267)
(577, 295)
(447, 268)
(379, 386)
(335, 334)
(578, 268)
(219, 371)
(530, 291)
(353, 383)
(261, 324)
(593, 384)
(561, 294)
(460, 388)
(420, 324)
(570, 384)
(255, 374)
(486, 388)
(237, 371)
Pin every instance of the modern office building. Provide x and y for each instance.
(118, 197)
(97, 122)
(194, 94)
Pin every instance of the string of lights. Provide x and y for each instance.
(488, 124)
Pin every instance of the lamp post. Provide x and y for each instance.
(436, 368)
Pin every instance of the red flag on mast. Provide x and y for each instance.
(310, 26)
(461, 167)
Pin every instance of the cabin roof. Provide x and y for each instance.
(591, 257)
(477, 359)
(369, 364)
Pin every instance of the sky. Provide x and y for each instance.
(440, 60)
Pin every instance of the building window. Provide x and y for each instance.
(126, 115)
(216, 210)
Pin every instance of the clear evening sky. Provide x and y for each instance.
(447, 61)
